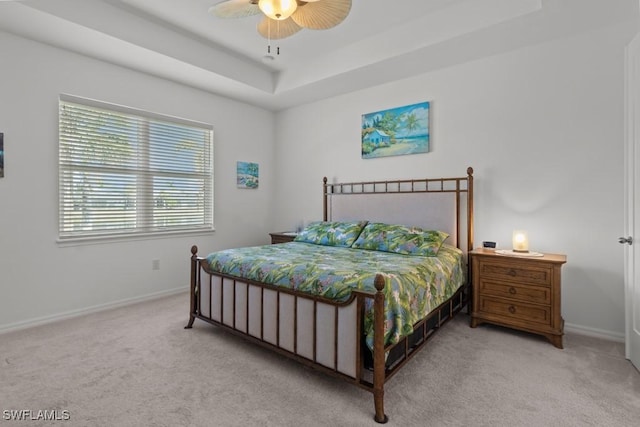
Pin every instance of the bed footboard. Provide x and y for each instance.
(315, 331)
(323, 334)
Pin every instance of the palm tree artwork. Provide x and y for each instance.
(397, 131)
(247, 175)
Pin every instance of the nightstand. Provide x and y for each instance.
(518, 292)
(282, 236)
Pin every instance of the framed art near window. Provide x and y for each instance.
(1, 155)
(247, 175)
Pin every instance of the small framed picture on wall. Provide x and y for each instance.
(1, 155)
(247, 175)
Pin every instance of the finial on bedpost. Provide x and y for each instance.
(324, 180)
(470, 171)
(194, 251)
(379, 283)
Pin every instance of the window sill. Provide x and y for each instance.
(120, 238)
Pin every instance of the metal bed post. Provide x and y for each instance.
(379, 375)
(469, 234)
(194, 274)
(325, 211)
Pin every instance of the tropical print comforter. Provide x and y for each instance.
(414, 284)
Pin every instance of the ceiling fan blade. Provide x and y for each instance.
(272, 29)
(235, 8)
(321, 15)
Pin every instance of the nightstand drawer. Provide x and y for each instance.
(535, 294)
(535, 274)
(514, 310)
(282, 237)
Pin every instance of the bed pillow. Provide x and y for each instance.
(400, 239)
(332, 233)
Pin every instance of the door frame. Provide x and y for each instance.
(632, 138)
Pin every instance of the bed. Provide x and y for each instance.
(348, 296)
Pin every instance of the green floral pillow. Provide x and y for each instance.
(334, 233)
(400, 239)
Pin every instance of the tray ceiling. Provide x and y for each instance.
(380, 40)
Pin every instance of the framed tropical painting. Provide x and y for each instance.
(247, 175)
(395, 132)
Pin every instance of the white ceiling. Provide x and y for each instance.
(380, 40)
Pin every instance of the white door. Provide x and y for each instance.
(632, 258)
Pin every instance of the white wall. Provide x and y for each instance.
(541, 126)
(38, 278)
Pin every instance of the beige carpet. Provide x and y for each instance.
(137, 366)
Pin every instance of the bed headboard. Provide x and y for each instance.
(444, 204)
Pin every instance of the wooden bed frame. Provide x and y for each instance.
(325, 334)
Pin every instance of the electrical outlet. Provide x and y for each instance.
(155, 264)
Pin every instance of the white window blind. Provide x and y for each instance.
(128, 172)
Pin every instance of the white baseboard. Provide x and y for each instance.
(88, 310)
(594, 332)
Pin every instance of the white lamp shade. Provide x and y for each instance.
(278, 9)
(520, 241)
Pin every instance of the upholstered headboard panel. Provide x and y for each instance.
(435, 211)
(444, 204)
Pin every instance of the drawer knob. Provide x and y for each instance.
(512, 272)
(512, 309)
(512, 290)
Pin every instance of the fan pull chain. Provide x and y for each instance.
(268, 55)
(269, 36)
(278, 34)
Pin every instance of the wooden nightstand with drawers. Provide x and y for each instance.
(282, 236)
(520, 292)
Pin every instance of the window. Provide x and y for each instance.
(126, 172)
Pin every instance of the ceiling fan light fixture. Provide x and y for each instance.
(278, 9)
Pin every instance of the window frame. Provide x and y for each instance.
(144, 231)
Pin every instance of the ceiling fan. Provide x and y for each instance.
(283, 18)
